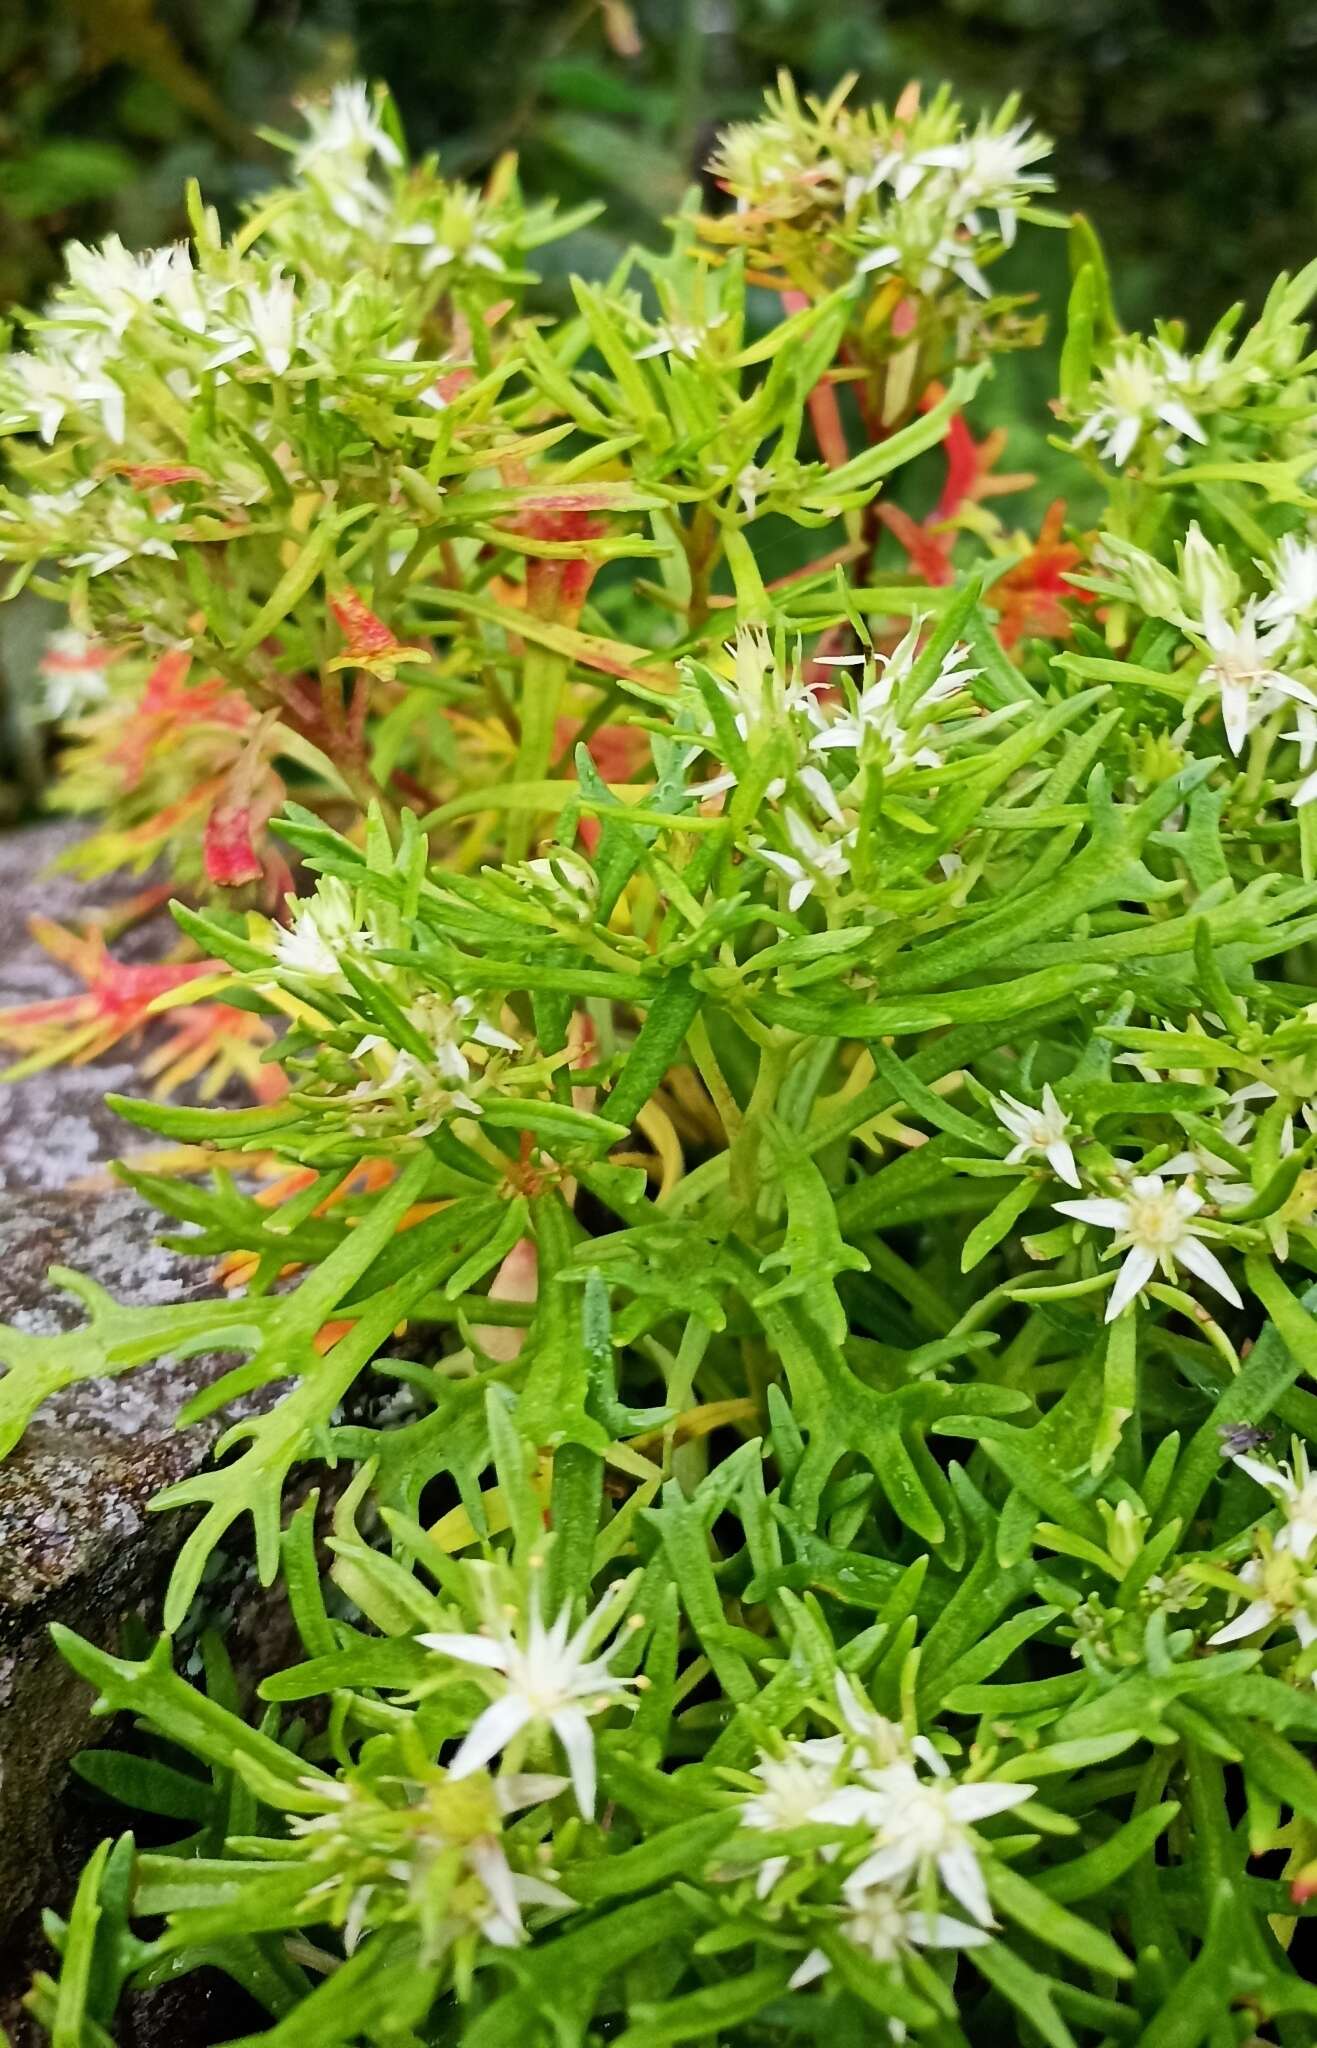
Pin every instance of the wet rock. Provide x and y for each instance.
(77, 1544)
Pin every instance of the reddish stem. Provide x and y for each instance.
(824, 412)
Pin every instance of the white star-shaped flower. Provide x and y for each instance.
(685, 338)
(1154, 1227)
(795, 1788)
(1293, 577)
(924, 1824)
(1295, 1487)
(108, 285)
(268, 329)
(1243, 670)
(1281, 1589)
(348, 125)
(1135, 395)
(324, 927)
(873, 715)
(991, 169)
(1046, 1130)
(72, 377)
(887, 1928)
(541, 1677)
(815, 859)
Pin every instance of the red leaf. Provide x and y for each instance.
(230, 857)
(364, 632)
(147, 474)
(1031, 597)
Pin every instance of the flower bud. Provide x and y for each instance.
(1211, 586)
(1151, 585)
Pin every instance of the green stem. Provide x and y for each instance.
(743, 1164)
(702, 551)
(706, 1065)
(681, 1381)
(542, 677)
(930, 1308)
(1264, 739)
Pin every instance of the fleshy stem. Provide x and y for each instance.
(543, 674)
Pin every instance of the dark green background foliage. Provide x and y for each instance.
(1187, 127)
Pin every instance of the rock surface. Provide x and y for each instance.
(54, 1127)
(76, 1542)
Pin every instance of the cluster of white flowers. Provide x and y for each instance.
(356, 282)
(827, 740)
(1216, 1158)
(766, 697)
(345, 141)
(1259, 649)
(919, 1832)
(1142, 393)
(1153, 1220)
(444, 1066)
(1150, 395)
(918, 194)
(924, 206)
(324, 928)
(880, 721)
(184, 323)
(420, 226)
(386, 1850)
(770, 164)
(424, 1090)
(542, 1678)
(1154, 1211)
(1279, 1581)
(1220, 1175)
(70, 375)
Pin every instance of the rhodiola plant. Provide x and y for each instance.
(796, 1226)
(325, 509)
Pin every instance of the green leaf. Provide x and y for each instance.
(671, 1014)
(385, 1986)
(989, 1231)
(1077, 350)
(1026, 1989)
(1049, 1922)
(1119, 1388)
(1086, 1875)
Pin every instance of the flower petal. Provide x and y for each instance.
(574, 1732)
(1062, 1162)
(977, 1802)
(1107, 1214)
(491, 1732)
(1137, 1270)
(815, 1965)
(959, 1868)
(938, 1930)
(468, 1649)
(1193, 1253)
(1255, 1616)
(1266, 1475)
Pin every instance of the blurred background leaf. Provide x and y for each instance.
(1188, 128)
